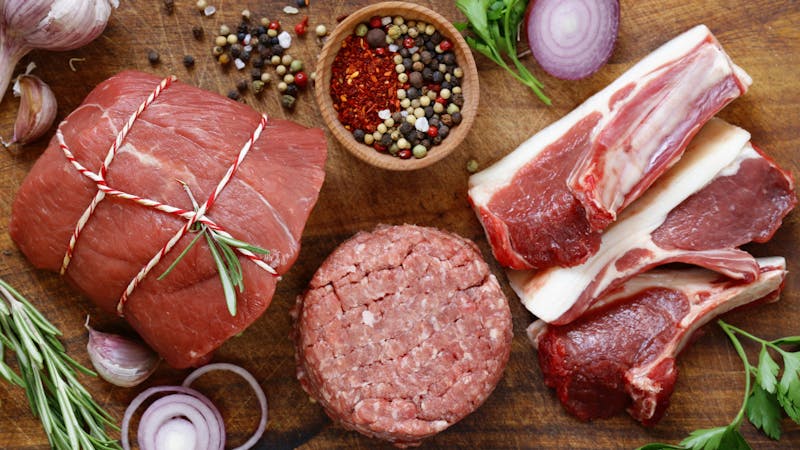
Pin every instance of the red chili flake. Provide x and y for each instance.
(404, 153)
(380, 51)
(408, 42)
(301, 28)
(359, 86)
(301, 79)
(375, 22)
(274, 25)
(445, 45)
(433, 132)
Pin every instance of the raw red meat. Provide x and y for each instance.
(403, 332)
(544, 204)
(723, 194)
(190, 135)
(622, 355)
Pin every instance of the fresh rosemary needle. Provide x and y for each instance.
(70, 417)
(223, 250)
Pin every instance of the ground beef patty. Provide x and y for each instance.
(402, 332)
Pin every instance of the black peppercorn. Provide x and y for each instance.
(258, 62)
(241, 85)
(386, 140)
(233, 95)
(444, 130)
(236, 50)
(188, 61)
(456, 118)
(358, 135)
(291, 89)
(255, 74)
(197, 32)
(153, 57)
(413, 93)
(277, 50)
(415, 79)
(437, 77)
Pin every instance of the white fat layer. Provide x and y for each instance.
(647, 134)
(484, 184)
(551, 293)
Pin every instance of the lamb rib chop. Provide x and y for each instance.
(723, 194)
(621, 354)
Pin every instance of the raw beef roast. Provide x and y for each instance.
(545, 203)
(621, 355)
(723, 194)
(402, 332)
(189, 135)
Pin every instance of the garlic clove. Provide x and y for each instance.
(37, 109)
(120, 361)
(55, 25)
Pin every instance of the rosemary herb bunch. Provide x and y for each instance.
(223, 250)
(70, 417)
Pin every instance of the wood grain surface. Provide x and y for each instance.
(760, 35)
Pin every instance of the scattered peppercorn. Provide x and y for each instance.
(302, 3)
(153, 57)
(241, 85)
(321, 30)
(287, 101)
(472, 166)
(188, 61)
(197, 32)
(233, 95)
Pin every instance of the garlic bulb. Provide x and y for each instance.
(118, 360)
(56, 25)
(37, 109)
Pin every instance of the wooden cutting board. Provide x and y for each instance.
(760, 35)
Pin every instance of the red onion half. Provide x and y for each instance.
(572, 39)
(186, 418)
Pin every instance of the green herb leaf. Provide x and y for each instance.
(719, 438)
(767, 374)
(70, 417)
(227, 285)
(660, 446)
(764, 412)
(180, 256)
(789, 387)
(788, 340)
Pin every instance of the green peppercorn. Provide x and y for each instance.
(458, 72)
(272, 33)
(369, 139)
(394, 32)
(394, 149)
(224, 30)
(402, 77)
(419, 151)
(382, 128)
(221, 41)
(281, 70)
(266, 78)
(287, 101)
(400, 68)
(258, 86)
(286, 59)
(472, 166)
(424, 101)
(452, 108)
(288, 78)
(361, 30)
(232, 39)
(296, 66)
(275, 60)
(321, 30)
(282, 86)
(444, 93)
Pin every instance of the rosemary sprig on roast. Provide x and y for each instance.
(767, 396)
(69, 415)
(223, 250)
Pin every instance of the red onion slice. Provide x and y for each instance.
(572, 39)
(262, 399)
(187, 403)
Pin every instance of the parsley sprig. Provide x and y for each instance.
(223, 250)
(70, 417)
(769, 393)
(494, 27)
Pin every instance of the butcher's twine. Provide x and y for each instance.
(191, 216)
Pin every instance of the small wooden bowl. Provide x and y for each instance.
(469, 84)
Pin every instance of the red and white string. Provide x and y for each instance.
(191, 216)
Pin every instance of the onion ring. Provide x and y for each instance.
(262, 399)
(189, 414)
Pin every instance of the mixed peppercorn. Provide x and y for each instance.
(396, 85)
